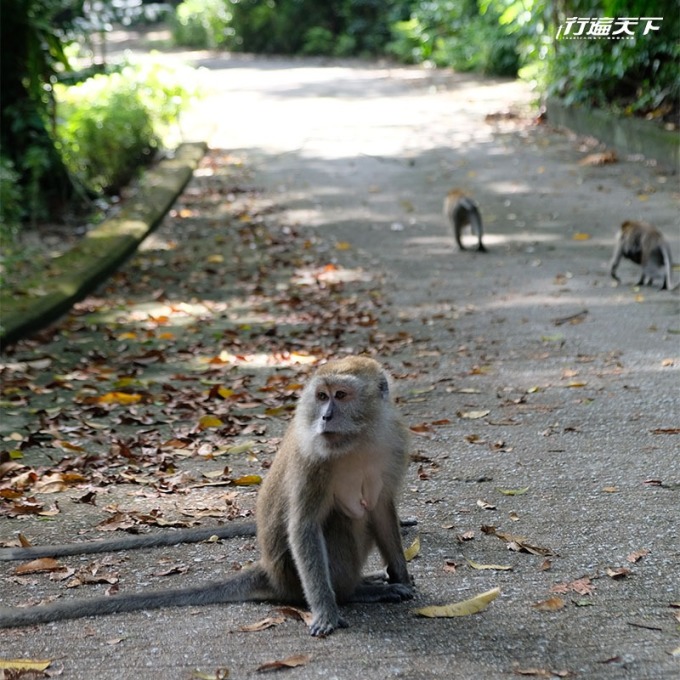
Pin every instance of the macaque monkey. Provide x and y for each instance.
(328, 499)
(462, 211)
(645, 245)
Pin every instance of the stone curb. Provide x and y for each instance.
(71, 276)
(628, 135)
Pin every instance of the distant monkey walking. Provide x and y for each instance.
(645, 245)
(462, 211)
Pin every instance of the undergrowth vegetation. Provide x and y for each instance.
(109, 125)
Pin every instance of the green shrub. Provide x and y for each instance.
(11, 213)
(318, 40)
(109, 125)
(202, 23)
(456, 35)
(11, 210)
(104, 130)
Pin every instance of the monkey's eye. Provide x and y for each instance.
(321, 396)
(340, 395)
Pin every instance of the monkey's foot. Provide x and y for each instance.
(386, 592)
(323, 625)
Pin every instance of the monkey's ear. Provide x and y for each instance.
(384, 387)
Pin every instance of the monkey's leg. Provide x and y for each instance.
(250, 584)
(167, 537)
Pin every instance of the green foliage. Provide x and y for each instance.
(456, 35)
(104, 130)
(31, 34)
(287, 26)
(634, 76)
(11, 210)
(110, 124)
(318, 40)
(11, 213)
(203, 23)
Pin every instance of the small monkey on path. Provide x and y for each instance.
(462, 211)
(328, 499)
(645, 245)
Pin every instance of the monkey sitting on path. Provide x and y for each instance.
(462, 211)
(645, 245)
(328, 499)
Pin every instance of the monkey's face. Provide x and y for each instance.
(339, 404)
(337, 407)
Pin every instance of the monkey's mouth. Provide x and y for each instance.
(335, 438)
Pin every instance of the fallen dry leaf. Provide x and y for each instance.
(119, 398)
(413, 550)
(206, 422)
(494, 567)
(217, 674)
(38, 566)
(297, 614)
(247, 480)
(552, 604)
(542, 673)
(582, 586)
(637, 556)
(290, 662)
(602, 158)
(666, 430)
(513, 492)
(473, 415)
(517, 543)
(618, 572)
(263, 624)
(22, 665)
(465, 608)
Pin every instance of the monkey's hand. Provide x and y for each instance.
(324, 623)
(612, 272)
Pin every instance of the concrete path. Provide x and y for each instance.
(544, 400)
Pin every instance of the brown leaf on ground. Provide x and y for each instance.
(637, 556)
(582, 586)
(602, 158)
(517, 543)
(289, 662)
(38, 566)
(263, 624)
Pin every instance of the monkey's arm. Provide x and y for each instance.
(385, 525)
(161, 538)
(310, 554)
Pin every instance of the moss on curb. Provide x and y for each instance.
(628, 135)
(74, 274)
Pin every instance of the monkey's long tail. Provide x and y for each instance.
(162, 538)
(251, 584)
